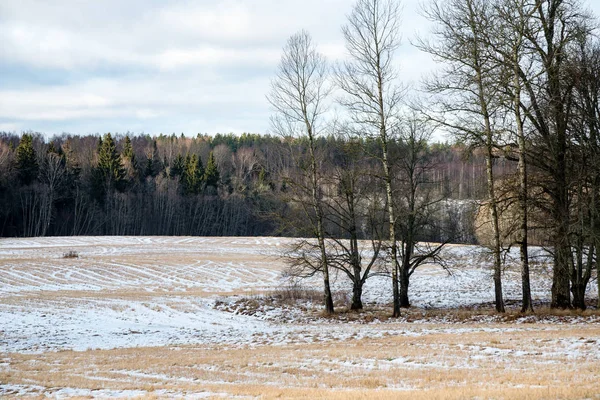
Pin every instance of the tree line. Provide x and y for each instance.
(226, 184)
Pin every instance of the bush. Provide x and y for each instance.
(71, 254)
(294, 292)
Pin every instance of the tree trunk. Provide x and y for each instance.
(562, 245)
(328, 298)
(598, 284)
(558, 146)
(408, 249)
(489, 143)
(584, 267)
(578, 290)
(560, 280)
(355, 255)
(392, 230)
(496, 230)
(404, 281)
(357, 288)
(527, 304)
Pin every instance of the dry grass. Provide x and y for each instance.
(463, 357)
(519, 364)
(308, 302)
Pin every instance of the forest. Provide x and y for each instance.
(518, 89)
(220, 185)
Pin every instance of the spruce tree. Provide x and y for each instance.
(109, 174)
(211, 175)
(193, 175)
(27, 164)
(128, 149)
(177, 167)
(153, 163)
(149, 170)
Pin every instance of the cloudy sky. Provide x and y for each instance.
(155, 66)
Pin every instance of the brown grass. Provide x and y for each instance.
(519, 364)
(463, 357)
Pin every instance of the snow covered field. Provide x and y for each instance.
(161, 316)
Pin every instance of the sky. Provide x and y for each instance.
(150, 66)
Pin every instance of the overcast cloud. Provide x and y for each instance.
(155, 66)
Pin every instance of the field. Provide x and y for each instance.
(175, 317)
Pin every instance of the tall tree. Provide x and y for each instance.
(53, 175)
(555, 27)
(471, 94)
(27, 163)
(109, 174)
(298, 95)
(177, 166)
(372, 94)
(585, 67)
(211, 173)
(153, 162)
(353, 212)
(418, 203)
(193, 175)
(129, 160)
(511, 19)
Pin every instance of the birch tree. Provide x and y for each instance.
(372, 94)
(298, 95)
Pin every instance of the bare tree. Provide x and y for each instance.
(554, 28)
(507, 41)
(52, 175)
(469, 106)
(298, 95)
(6, 159)
(418, 205)
(353, 211)
(586, 129)
(371, 92)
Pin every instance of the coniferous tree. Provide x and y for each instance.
(177, 167)
(128, 149)
(27, 165)
(149, 170)
(193, 175)
(153, 163)
(211, 175)
(109, 174)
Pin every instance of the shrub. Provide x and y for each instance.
(71, 254)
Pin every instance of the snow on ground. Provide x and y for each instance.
(126, 292)
(155, 263)
(34, 390)
(157, 291)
